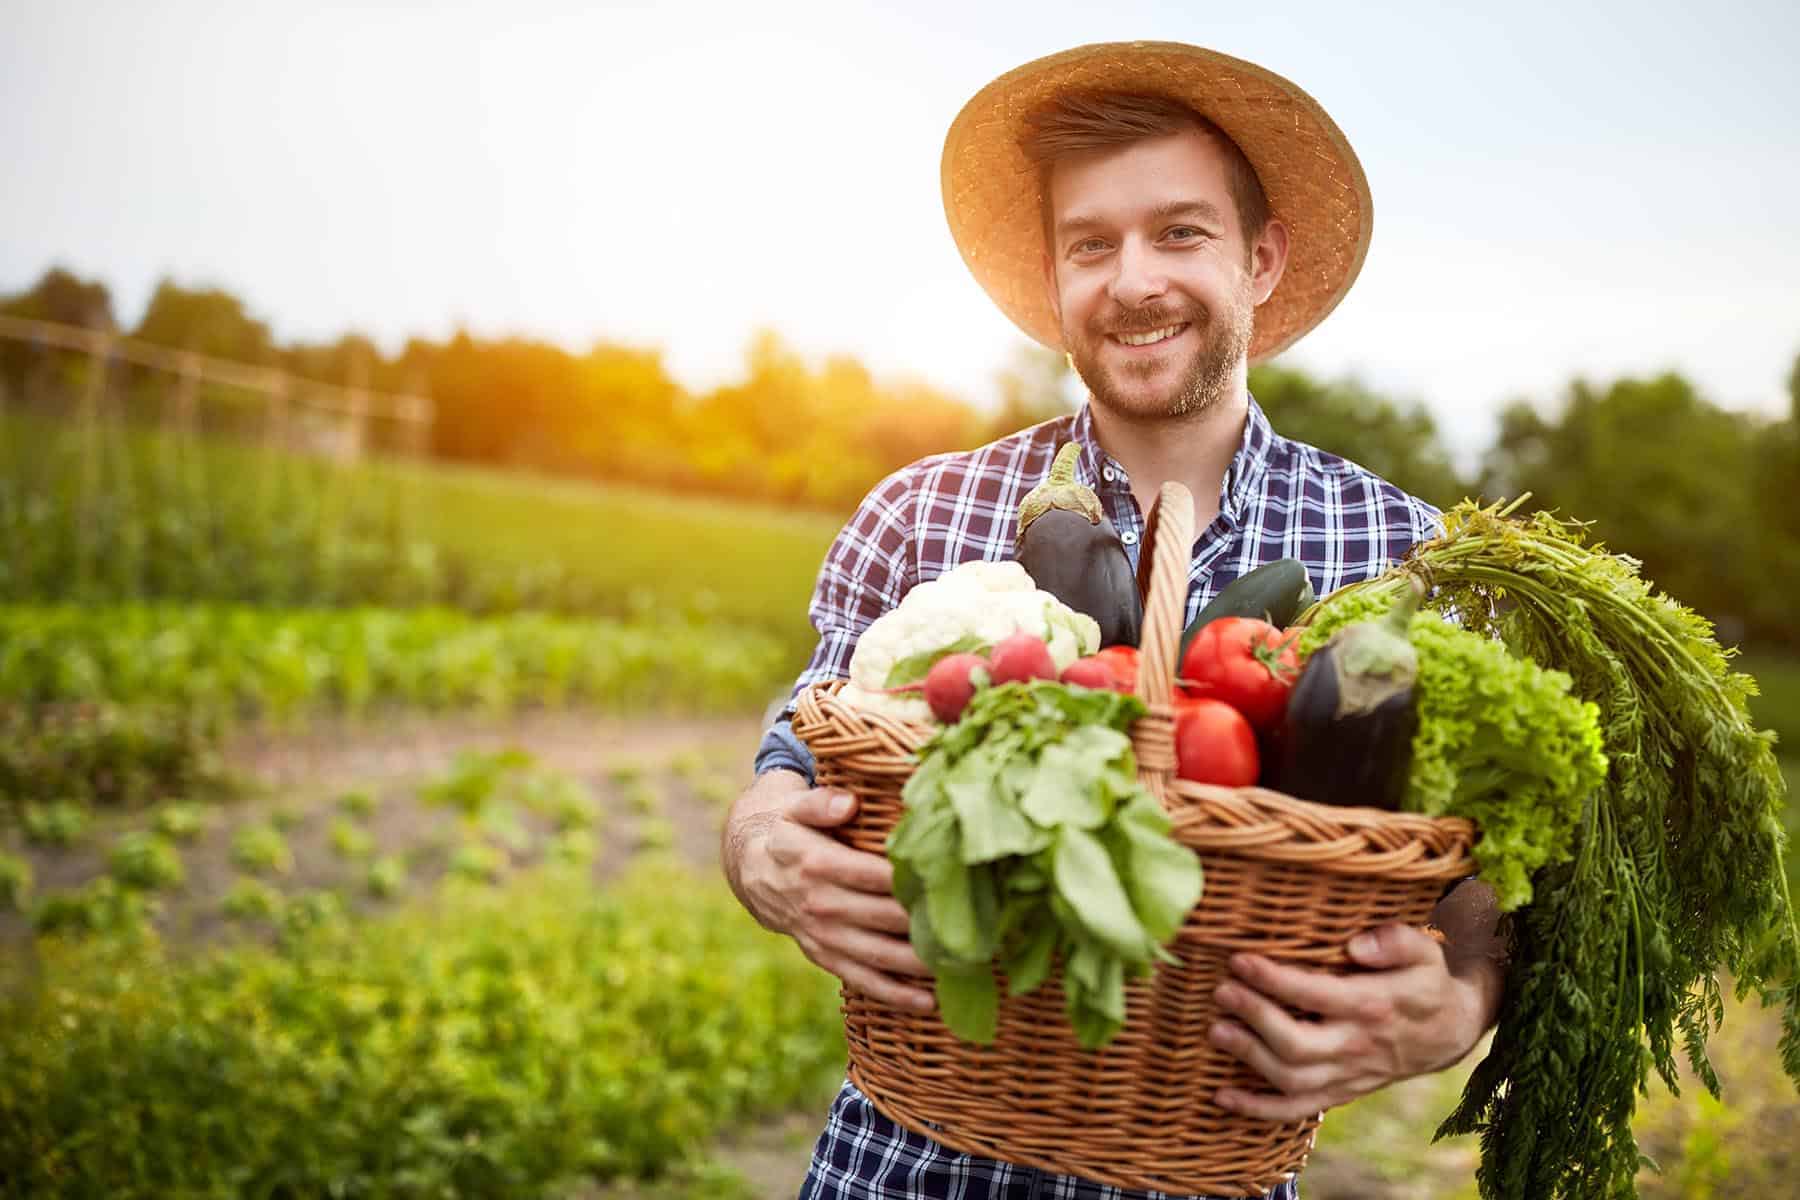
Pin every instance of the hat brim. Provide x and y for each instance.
(1312, 178)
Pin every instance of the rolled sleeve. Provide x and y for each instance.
(865, 573)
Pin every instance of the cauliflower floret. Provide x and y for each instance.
(968, 608)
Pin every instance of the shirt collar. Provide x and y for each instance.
(1242, 478)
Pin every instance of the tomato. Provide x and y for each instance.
(1247, 663)
(1123, 662)
(1214, 743)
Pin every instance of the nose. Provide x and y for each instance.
(1137, 275)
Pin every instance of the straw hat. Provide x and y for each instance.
(1308, 171)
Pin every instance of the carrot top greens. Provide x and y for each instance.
(1676, 873)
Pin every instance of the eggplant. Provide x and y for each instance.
(1347, 736)
(1069, 548)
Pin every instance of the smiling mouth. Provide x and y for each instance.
(1150, 337)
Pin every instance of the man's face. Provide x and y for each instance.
(1153, 284)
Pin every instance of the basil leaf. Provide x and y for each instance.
(915, 667)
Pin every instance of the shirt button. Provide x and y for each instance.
(1109, 474)
(1128, 537)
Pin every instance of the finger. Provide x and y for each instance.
(861, 909)
(878, 986)
(1395, 946)
(1273, 1107)
(821, 808)
(1309, 991)
(1285, 1077)
(880, 951)
(1293, 1040)
(823, 859)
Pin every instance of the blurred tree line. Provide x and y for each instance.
(1708, 499)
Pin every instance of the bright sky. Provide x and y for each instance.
(1560, 188)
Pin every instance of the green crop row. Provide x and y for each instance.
(523, 1041)
(119, 512)
(284, 663)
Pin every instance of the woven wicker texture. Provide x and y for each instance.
(1308, 171)
(1284, 878)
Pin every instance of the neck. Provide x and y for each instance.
(1193, 450)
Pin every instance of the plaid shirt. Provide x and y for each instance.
(1279, 499)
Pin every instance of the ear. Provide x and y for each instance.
(1268, 259)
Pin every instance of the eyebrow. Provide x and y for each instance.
(1197, 209)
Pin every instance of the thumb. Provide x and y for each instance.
(822, 808)
(1394, 946)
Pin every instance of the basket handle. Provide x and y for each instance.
(1168, 544)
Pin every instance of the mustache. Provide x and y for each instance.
(1143, 320)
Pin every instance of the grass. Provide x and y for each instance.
(220, 521)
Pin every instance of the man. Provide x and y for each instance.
(1165, 215)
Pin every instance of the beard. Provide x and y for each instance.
(1200, 384)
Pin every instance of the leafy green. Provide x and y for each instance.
(1027, 838)
(1500, 741)
(1676, 875)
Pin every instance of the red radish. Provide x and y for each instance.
(1021, 657)
(1089, 673)
(951, 683)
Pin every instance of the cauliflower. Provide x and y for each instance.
(968, 608)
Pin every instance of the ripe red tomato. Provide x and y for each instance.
(1214, 744)
(1247, 663)
(1123, 662)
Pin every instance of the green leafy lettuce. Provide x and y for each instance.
(1027, 839)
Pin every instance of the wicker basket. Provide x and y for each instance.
(1285, 878)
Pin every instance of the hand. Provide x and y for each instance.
(1408, 1015)
(836, 902)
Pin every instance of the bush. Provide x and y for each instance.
(489, 1043)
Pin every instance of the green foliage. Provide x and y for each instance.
(252, 900)
(1500, 742)
(349, 841)
(58, 823)
(1028, 840)
(475, 779)
(575, 847)
(102, 906)
(96, 753)
(565, 800)
(655, 835)
(358, 802)
(213, 521)
(387, 876)
(477, 862)
(486, 1043)
(1708, 504)
(15, 882)
(1677, 876)
(228, 662)
(181, 822)
(262, 850)
(146, 861)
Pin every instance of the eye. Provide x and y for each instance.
(1091, 245)
(1183, 233)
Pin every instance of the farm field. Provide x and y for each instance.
(458, 886)
(358, 836)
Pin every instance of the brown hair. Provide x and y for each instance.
(1076, 122)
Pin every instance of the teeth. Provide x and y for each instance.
(1146, 339)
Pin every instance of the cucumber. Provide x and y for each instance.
(1275, 592)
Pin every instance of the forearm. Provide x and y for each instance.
(752, 817)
